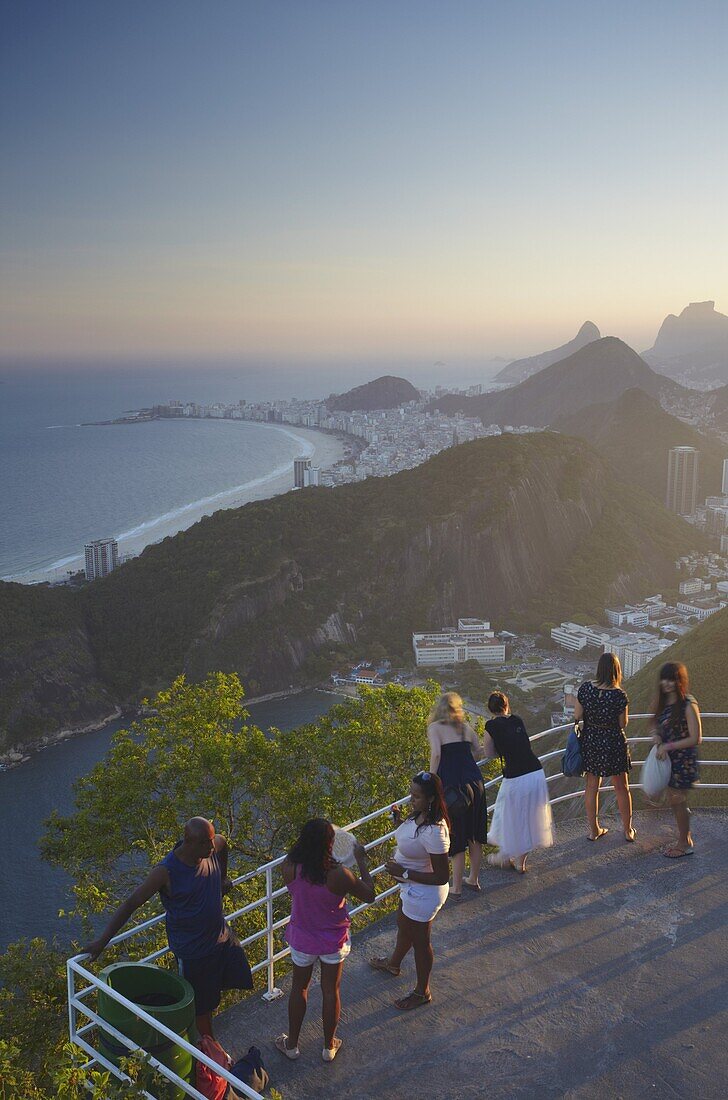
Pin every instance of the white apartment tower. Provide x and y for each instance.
(724, 486)
(682, 480)
(301, 467)
(101, 557)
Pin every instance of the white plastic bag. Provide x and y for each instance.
(655, 774)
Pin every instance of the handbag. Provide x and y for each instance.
(458, 800)
(655, 774)
(572, 762)
(251, 1071)
(211, 1084)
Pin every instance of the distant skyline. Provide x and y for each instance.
(322, 179)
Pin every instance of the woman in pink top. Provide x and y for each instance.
(319, 927)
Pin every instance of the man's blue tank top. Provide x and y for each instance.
(195, 923)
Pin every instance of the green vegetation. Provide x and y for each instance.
(198, 754)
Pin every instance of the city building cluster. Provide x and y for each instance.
(390, 439)
(683, 471)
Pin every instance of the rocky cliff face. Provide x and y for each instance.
(49, 686)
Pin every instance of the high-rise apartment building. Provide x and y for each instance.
(300, 468)
(682, 480)
(724, 486)
(101, 557)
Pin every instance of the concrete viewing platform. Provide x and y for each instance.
(601, 973)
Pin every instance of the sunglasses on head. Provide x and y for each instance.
(424, 776)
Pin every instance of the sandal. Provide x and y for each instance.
(602, 832)
(673, 852)
(475, 886)
(384, 965)
(413, 1000)
(329, 1053)
(630, 836)
(290, 1052)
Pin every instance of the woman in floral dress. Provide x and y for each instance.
(603, 707)
(677, 732)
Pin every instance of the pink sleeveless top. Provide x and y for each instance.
(319, 921)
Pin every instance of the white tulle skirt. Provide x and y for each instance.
(522, 817)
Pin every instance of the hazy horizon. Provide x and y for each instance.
(334, 182)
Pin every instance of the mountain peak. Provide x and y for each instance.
(693, 344)
(699, 309)
(521, 369)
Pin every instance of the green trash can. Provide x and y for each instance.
(165, 996)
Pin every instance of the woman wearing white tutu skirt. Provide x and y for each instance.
(522, 817)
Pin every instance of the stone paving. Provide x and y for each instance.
(602, 973)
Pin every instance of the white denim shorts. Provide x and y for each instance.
(300, 958)
(422, 902)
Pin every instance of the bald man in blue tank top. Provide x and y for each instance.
(191, 881)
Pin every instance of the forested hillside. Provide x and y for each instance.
(518, 529)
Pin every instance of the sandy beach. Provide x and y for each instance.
(323, 449)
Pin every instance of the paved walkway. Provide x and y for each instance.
(601, 973)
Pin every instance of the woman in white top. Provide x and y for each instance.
(420, 863)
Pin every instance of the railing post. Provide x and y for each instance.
(71, 984)
(272, 992)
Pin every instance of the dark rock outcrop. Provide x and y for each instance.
(387, 392)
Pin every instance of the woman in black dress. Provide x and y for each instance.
(677, 732)
(454, 751)
(603, 707)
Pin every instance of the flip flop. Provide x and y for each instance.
(602, 832)
(384, 966)
(677, 853)
(280, 1044)
(474, 886)
(631, 836)
(329, 1053)
(413, 1000)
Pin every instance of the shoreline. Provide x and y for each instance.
(323, 448)
(14, 757)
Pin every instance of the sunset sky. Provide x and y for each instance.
(328, 178)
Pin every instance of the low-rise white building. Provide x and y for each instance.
(472, 641)
(627, 615)
(701, 608)
(574, 637)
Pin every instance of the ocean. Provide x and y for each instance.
(63, 484)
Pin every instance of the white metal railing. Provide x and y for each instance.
(77, 997)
